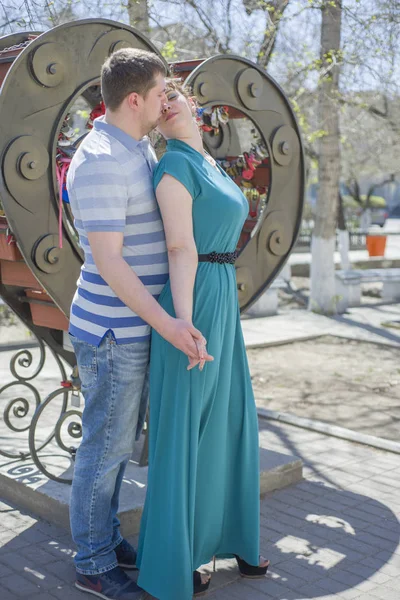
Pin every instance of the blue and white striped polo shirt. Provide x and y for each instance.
(110, 188)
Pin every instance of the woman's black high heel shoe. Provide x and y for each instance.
(250, 571)
(199, 587)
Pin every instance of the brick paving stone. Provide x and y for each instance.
(10, 559)
(290, 521)
(32, 536)
(4, 570)
(355, 543)
(385, 534)
(37, 574)
(272, 588)
(366, 586)
(58, 549)
(226, 594)
(388, 524)
(6, 536)
(300, 573)
(276, 557)
(7, 595)
(378, 542)
(283, 578)
(15, 544)
(352, 594)
(365, 572)
(385, 593)
(37, 555)
(239, 591)
(347, 579)
(68, 592)
(365, 597)
(63, 570)
(19, 585)
(313, 590)
(385, 568)
(349, 555)
(359, 512)
(332, 585)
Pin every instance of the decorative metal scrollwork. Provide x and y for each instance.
(24, 359)
(26, 413)
(73, 431)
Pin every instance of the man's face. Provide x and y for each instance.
(154, 103)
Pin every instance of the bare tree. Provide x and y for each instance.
(322, 293)
(273, 12)
(138, 13)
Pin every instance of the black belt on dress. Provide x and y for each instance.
(219, 257)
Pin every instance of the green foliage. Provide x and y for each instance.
(83, 113)
(374, 201)
(169, 50)
(317, 134)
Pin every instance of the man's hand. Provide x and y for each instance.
(188, 339)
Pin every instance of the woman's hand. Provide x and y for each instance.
(203, 355)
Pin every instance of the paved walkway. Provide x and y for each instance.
(333, 536)
(364, 323)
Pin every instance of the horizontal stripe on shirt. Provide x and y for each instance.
(95, 340)
(103, 301)
(146, 279)
(106, 321)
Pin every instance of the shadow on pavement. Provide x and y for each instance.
(383, 333)
(320, 541)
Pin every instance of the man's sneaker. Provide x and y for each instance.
(112, 585)
(126, 555)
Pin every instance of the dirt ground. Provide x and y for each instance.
(347, 383)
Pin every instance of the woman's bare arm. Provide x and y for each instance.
(175, 204)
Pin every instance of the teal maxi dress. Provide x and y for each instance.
(203, 481)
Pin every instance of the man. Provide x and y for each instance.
(126, 265)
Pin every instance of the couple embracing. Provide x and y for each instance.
(159, 244)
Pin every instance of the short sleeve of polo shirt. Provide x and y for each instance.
(98, 195)
(179, 166)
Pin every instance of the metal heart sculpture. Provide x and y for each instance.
(45, 75)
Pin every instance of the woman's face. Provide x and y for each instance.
(177, 117)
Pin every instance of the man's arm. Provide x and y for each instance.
(107, 253)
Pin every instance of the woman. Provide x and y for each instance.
(203, 483)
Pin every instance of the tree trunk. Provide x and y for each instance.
(138, 12)
(323, 296)
(343, 236)
(271, 29)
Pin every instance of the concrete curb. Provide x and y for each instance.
(330, 430)
(18, 346)
(289, 340)
(303, 269)
(51, 500)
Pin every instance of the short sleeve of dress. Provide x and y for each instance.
(179, 166)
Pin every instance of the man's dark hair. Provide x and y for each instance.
(129, 70)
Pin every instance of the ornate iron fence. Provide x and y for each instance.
(22, 414)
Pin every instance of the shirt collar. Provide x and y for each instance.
(127, 140)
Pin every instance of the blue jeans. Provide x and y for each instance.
(115, 388)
